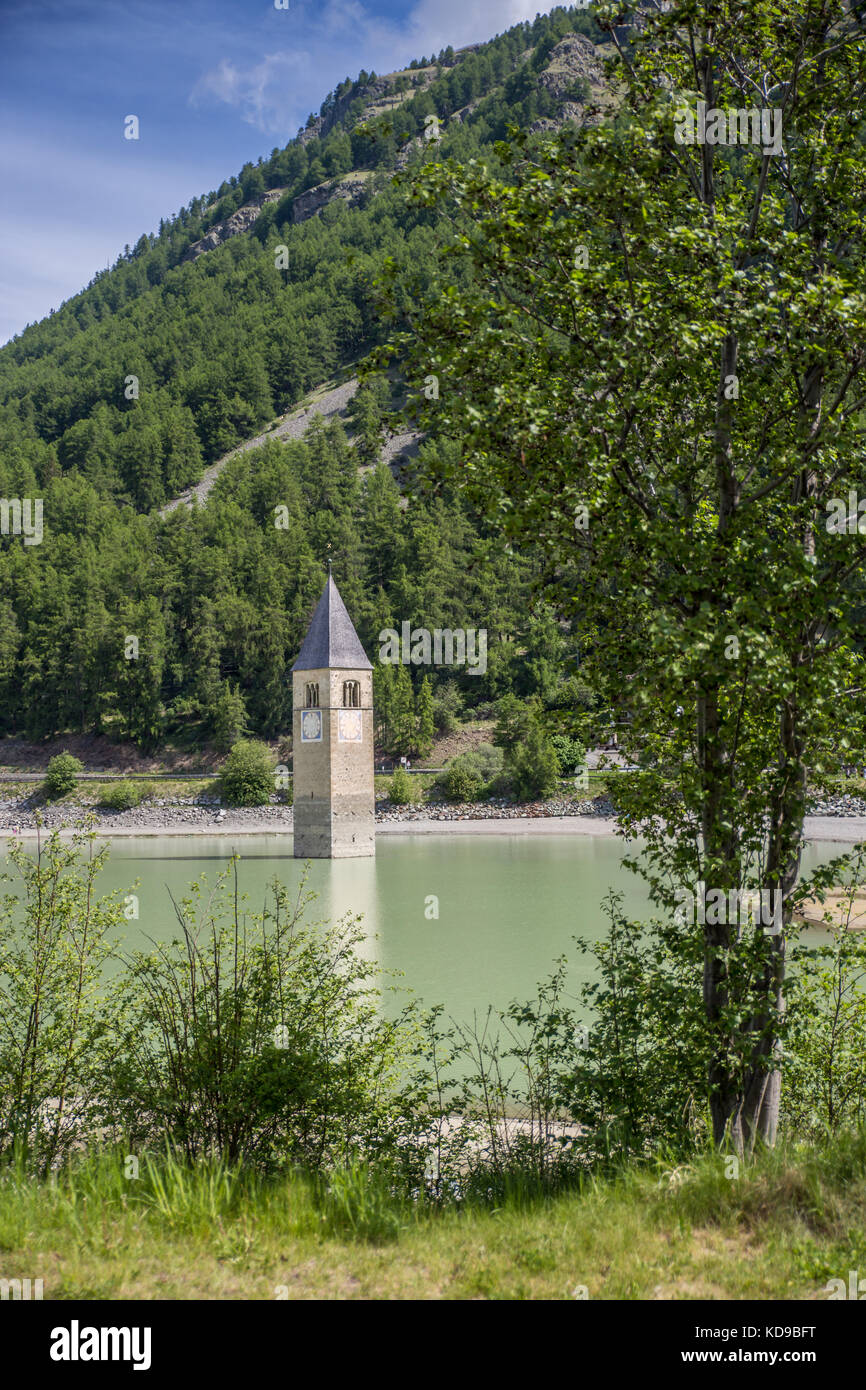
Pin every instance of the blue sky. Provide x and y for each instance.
(214, 83)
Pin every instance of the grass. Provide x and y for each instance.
(787, 1224)
(90, 791)
(844, 786)
(422, 784)
(151, 787)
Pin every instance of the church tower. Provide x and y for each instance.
(334, 802)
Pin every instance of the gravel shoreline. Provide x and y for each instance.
(205, 815)
(841, 818)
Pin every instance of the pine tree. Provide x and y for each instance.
(383, 703)
(205, 657)
(381, 523)
(403, 713)
(229, 720)
(141, 670)
(424, 718)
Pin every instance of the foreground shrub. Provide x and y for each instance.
(625, 1070)
(824, 1087)
(61, 775)
(57, 1030)
(256, 1036)
(255, 1039)
(259, 1039)
(629, 1065)
(247, 776)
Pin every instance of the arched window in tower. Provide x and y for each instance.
(351, 694)
(311, 695)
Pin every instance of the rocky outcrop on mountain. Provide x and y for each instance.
(466, 111)
(421, 142)
(350, 188)
(575, 76)
(416, 143)
(376, 96)
(240, 221)
(573, 60)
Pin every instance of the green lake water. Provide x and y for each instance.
(508, 905)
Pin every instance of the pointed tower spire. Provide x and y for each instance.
(331, 641)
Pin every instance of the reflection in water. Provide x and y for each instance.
(349, 886)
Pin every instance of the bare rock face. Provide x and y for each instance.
(466, 111)
(572, 60)
(315, 131)
(404, 155)
(240, 221)
(374, 96)
(350, 188)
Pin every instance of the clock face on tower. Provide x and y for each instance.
(311, 726)
(349, 726)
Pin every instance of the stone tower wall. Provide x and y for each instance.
(334, 802)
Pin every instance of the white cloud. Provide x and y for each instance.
(435, 24)
(338, 14)
(265, 92)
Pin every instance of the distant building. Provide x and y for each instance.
(334, 803)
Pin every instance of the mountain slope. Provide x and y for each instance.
(217, 338)
(161, 381)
